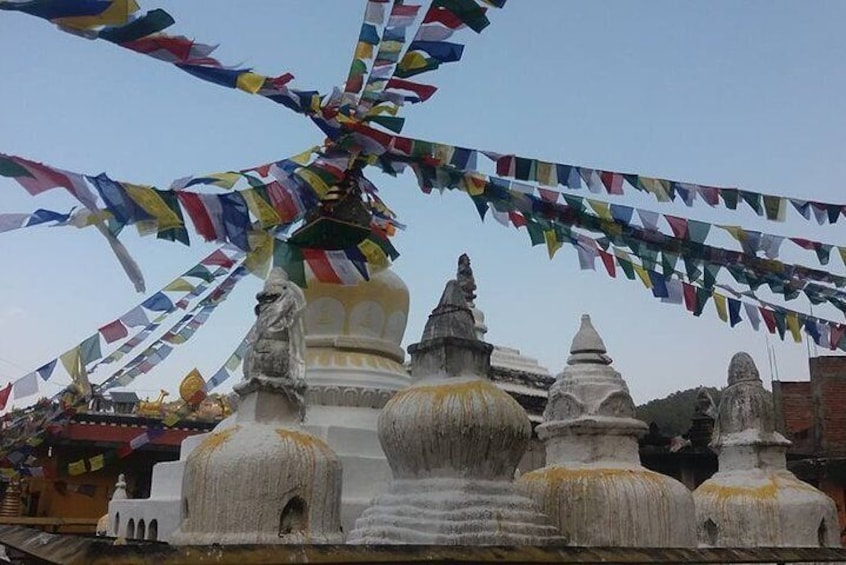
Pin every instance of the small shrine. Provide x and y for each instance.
(260, 477)
(593, 485)
(453, 441)
(753, 500)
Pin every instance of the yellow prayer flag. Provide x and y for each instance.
(720, 305)
(656, 187)
(152, 203)
(191, 384)
(304, 157)
(383, 109)
(601, 209)
(179, 285)
(373, 253)
(233, 362)
(258, 260)
(72, 362)
(363, 51)
(250, 82)
(642, 275)
(552, 243)
(391, 46)
(735, 231)
(116, 14)
(225, 180)
(443, 153)
(76, 468)
(546, 173)
(412, 61)
(314, 181)
(474, 184)
(793, 326)
(265, 213)
(97, 462)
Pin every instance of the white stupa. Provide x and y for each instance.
(593, 485)
(354, 365)
(753, 500)
(260, 476)
(453, 441)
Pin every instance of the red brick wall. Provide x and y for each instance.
(797, 410)
(828, 375)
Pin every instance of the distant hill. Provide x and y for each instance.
(672, 414)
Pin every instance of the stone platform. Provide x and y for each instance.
(38, 547)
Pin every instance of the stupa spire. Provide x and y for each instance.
(467, 282)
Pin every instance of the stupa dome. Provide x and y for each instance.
(358, 327)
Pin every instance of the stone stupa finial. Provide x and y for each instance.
(465, 279)
(742, 369)
(451, 317)
(587, 346)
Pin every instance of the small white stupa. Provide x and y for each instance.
(593, 485)
(753, 500)
(453, 441)
(260, 477)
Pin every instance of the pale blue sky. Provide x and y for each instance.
(747, 94)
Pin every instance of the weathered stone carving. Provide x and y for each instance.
(260, 477)
(593, 486)
(753, 500)
(453, 441)
(277, 355)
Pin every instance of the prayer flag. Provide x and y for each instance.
(114, 331)
(26, 386)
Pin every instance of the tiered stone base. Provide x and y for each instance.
(449, 511)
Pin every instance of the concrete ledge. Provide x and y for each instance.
(76, 550)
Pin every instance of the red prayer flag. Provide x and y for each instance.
(836, 335)
(218, 258)
(114, 331)
(4, 396)
(199, 216)
(320, 266)
(769, 319)
(443, 17)
(678, 225)
(689, 292)
(608, 261)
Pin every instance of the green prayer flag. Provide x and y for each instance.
(668, 263)
(389, 122)
(702, 296)
(780, 322)
(9, 168)
(626, 265)
(535, 233)
(729, 196)
(711, 272)
(290, 258)
(467, 11)
(775, 207)
(753, 199)
(691, 267)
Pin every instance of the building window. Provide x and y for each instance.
(712, 531)
(130, 529)
(142, 530)
(117, 524)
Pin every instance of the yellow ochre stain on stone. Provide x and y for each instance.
(306, 440)
(555, 474)
(215, 440)
(765, 491)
